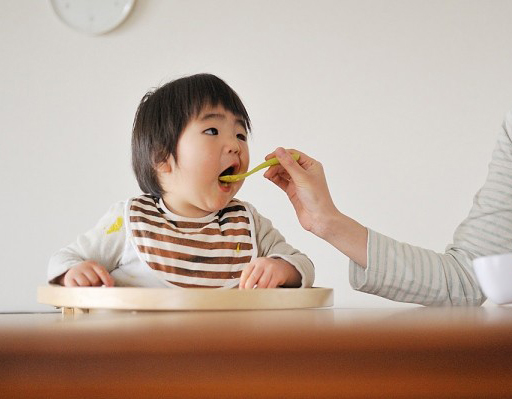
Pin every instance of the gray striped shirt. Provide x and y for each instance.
(407, 273)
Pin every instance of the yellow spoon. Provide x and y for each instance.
(266, 164)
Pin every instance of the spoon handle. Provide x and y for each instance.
(266, 164)
(270, 162)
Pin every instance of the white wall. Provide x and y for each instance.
(400, 100)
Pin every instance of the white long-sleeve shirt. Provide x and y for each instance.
(142, 243)
(407, 273)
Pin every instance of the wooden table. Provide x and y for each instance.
(332, 353)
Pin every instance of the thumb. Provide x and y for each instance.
(289, 164)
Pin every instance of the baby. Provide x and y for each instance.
(188, 230)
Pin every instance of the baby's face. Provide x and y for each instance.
(211, 143)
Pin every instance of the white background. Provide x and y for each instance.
(400, 100)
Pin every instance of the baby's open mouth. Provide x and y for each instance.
(228, 171)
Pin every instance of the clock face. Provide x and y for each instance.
(92, 16)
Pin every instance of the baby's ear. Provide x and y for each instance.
(165, 166)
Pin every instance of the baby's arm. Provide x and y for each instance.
(278, 263)
(89, 259)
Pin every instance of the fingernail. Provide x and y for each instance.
(281, 152)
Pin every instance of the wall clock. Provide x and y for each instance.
(94, 17)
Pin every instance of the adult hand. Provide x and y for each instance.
(305, 184)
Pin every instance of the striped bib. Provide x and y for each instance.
(206, 252)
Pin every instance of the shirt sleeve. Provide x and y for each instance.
(103, 244)
(273, 245)
(407, 273)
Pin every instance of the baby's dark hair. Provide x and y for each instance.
(164, 113)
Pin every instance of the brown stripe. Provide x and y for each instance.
(183, 285)
(206, 231)
(229, 209)
(234, 219)
(192, 243)
(193, 225)
(146, 200)
(179, 224)
(149, 201)
(181, 271)
(236, 232)
(209, 260)
(232, 208)
(145, 211)
(164, 225)
(231, 219)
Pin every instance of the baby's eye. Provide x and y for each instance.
(211, 131)
(241, 136)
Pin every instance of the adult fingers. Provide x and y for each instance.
(289, 164)
(276, 170)
(271, 155)
(279, 181)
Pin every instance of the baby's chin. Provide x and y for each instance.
(225, 203)
(220, 204)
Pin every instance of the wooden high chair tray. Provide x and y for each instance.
(151, 299)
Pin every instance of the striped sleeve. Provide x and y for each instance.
(406, 273)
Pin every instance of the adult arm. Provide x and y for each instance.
(306, 187)
(400, 271)
(407, 273)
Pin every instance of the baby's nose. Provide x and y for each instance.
(233, 145)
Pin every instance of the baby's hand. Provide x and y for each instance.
(269, 273)
(86, 274)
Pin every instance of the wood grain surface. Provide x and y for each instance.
(305, 353)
